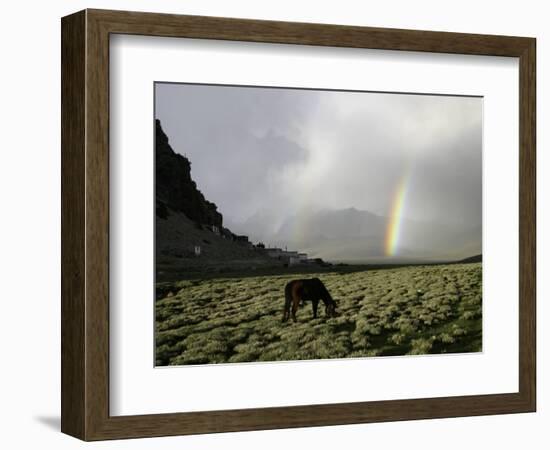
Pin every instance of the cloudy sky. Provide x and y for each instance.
(279, 152)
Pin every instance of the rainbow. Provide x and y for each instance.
(393, 229)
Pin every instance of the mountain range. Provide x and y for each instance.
(353, 235)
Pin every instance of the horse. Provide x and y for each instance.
(313, 290)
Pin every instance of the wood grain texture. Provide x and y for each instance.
(97, 226)
(152, 24)
(527, 224)
(85, 224)
(73, 225)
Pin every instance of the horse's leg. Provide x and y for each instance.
(286, 313)
(314, 305)
(286, 310)
(288, 300)
(295, 304)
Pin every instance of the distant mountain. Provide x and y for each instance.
(261, 226)
(472, 259)
(355, 235)
(331, 224)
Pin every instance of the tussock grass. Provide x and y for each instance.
(409, 310)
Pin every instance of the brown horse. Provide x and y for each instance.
(307, 290)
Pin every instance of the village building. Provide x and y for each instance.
(289, 257)
(241, 239)
(274, 252)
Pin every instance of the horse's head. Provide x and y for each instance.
(331, 309)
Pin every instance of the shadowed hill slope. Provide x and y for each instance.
(174, 186)
(189, 232)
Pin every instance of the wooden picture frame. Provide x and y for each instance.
(85, 224)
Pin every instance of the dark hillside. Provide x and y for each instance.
(175, 189)
(189, 232)
(471, 259)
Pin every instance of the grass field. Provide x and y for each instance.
(402, 311)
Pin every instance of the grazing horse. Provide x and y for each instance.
(307, 290)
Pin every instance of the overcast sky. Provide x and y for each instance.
(282, 151)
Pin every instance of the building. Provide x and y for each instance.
(294, 261)
(291, 258)
(274, 252)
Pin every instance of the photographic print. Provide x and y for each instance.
(306, 224)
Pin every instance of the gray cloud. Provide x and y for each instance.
(270, 154)
(239, 140)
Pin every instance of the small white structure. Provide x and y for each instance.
(293, 257)
(197, 250)
(294, 261)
